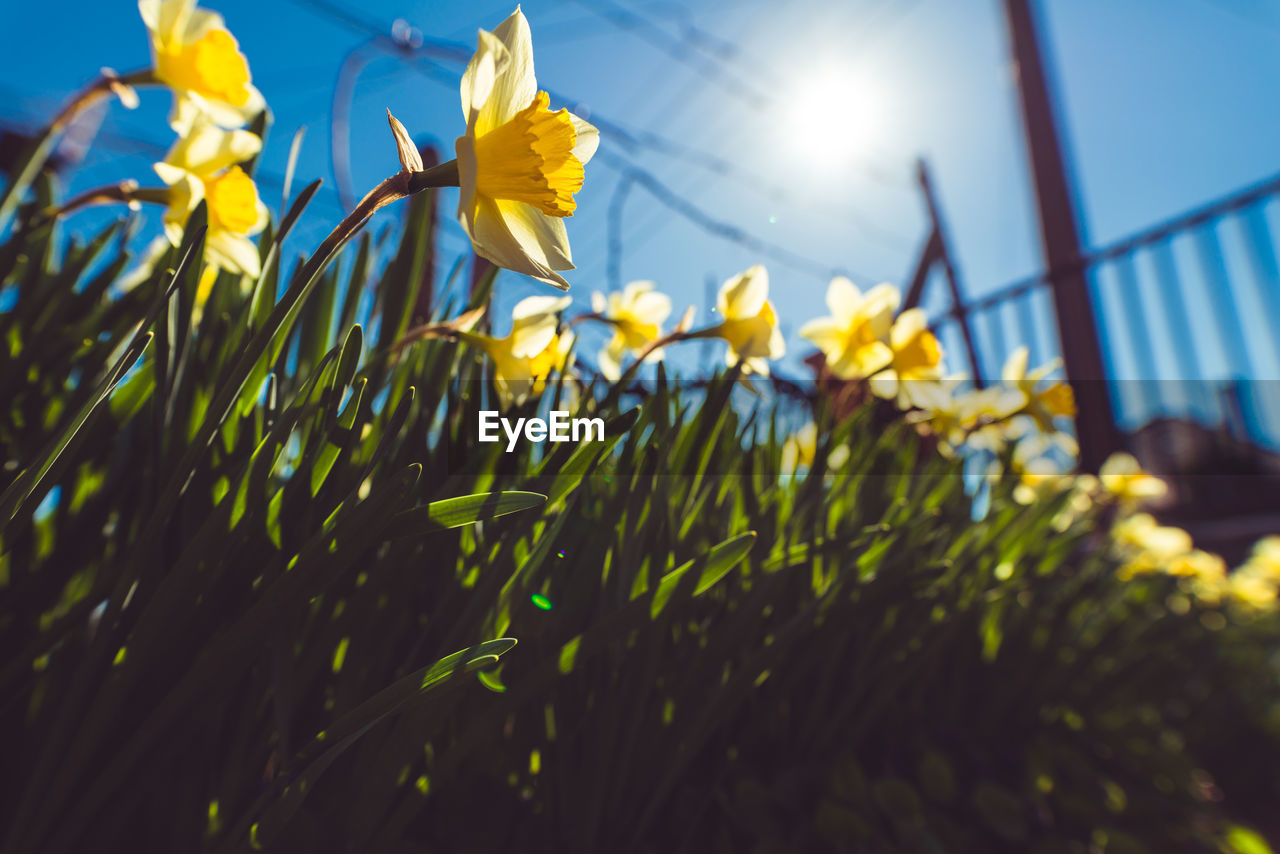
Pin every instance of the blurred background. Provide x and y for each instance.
(1112, 204)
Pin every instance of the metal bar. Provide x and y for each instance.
(928, 255)
(1213, 210)
(1077, 330)
(1136, 323)
(1027, 323)
(995, 332)
(1222, 303)
(949, 270)
(1173, 302)
(1266, 270)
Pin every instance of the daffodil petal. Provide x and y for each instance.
(777, 344)
(515, 84)
(744, 295)
(588, 139)
(651, 307)
(492, 238)
(1015, 367)
(233, 252)
(909, 324)
(478, 80)
(541, 235)
(610, 359)
(824, 332)
(199, 22)
(190, 107)
(532, 332)
(207, 149)
(264, 216)
(537, 306)
(843, 299)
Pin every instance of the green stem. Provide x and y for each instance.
(68, 750)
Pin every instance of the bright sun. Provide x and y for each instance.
(833, 118)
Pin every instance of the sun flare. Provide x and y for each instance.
(835, 117)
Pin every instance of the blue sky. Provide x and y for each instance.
(1166, 103)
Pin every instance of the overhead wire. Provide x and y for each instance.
(422, 57)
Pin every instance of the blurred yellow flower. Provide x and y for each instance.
(1039, 479)
(1043, 404)
(1123, 479)
(554, 358)
(855, 338)
(198, 58)
(1252, 589)
(637, 315)
(519, 163)
(1255, 582)
(202, 165)
(1198, 564)
(1265, 558)
(799, 449)
(1149, 546)
(750, 324)
(916, 357)
(530, 352)
(977, 418)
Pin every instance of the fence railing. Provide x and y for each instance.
(1188, 314)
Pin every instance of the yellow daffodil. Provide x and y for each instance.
(198, 58)
(1265, 558)
(1198, 564)
(916, 357)
(1251, 588)
(1149, 546)
(203, 165)
(519, 163)
(750, 324)
(977, 418)
(1040, 479)
(554, 358)
(1042, 404)
(855, 338)
(1256, 582)
(530, 352)
(637, 315)
(799, 449)
(1123, 479)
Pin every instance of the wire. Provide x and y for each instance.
(425, 51)
(678, 49)
(344, 95)
(718, 228)
(633, 140)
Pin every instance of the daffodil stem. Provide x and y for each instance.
(583, 318)
(443, 175)
(125, 192)
(38, 151)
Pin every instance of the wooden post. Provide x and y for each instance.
(1077, 330)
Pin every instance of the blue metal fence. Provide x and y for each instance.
(1188, 314)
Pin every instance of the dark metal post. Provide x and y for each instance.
(959, 308)
(1077, 330)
